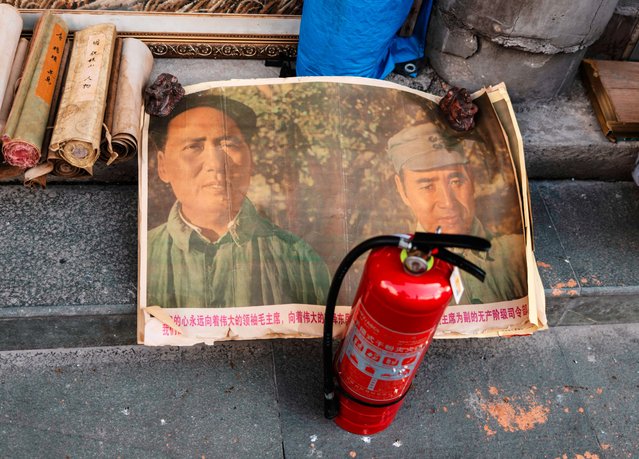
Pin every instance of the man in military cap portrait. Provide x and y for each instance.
(216, 250)
(434, 180)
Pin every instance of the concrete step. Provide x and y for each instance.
(586, 245)
(69, 261)
(70, 258)
(563, 140)
(568, 392)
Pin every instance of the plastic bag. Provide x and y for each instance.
(355, 38)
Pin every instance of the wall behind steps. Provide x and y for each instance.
(620, 39)
(535, 46)
(292, 7)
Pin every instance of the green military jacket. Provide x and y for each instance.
(505, 266)
(253, 263)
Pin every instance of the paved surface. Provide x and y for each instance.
(570, 392)
(586, 244)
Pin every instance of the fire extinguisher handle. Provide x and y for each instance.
(461, 263)
(429, 241)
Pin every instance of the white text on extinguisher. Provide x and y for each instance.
(378, 363)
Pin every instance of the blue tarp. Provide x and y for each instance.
(358, 38)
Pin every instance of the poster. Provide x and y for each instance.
(252, 191)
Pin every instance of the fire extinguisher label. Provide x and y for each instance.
(376, 363)
(456, 284)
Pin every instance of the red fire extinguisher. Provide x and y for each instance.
(403, 292)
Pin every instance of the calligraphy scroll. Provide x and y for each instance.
(38, 175)
(123, 134)
(110, 101)
(12, 81)
(78, 127)
(24, 132)
(7, 171)
(10, 28)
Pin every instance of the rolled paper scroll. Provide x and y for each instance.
(109, 111)
(25, 128)
(38, 175)
(10, 29)
(7, 171)
(62, 168)
(54, 165)
(135, 69)
(12, 83)
(78, 126)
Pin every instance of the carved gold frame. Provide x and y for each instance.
(214, 46)
(211, 36)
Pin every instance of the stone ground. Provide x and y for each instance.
(569, 392)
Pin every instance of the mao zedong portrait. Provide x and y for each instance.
(434, 180)
(216, 250)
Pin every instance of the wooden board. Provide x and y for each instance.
(613, 88)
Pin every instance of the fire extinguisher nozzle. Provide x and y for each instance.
(331, 406)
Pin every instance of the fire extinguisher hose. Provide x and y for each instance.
(330, 401)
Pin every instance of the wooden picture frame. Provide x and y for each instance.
(187, 34)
